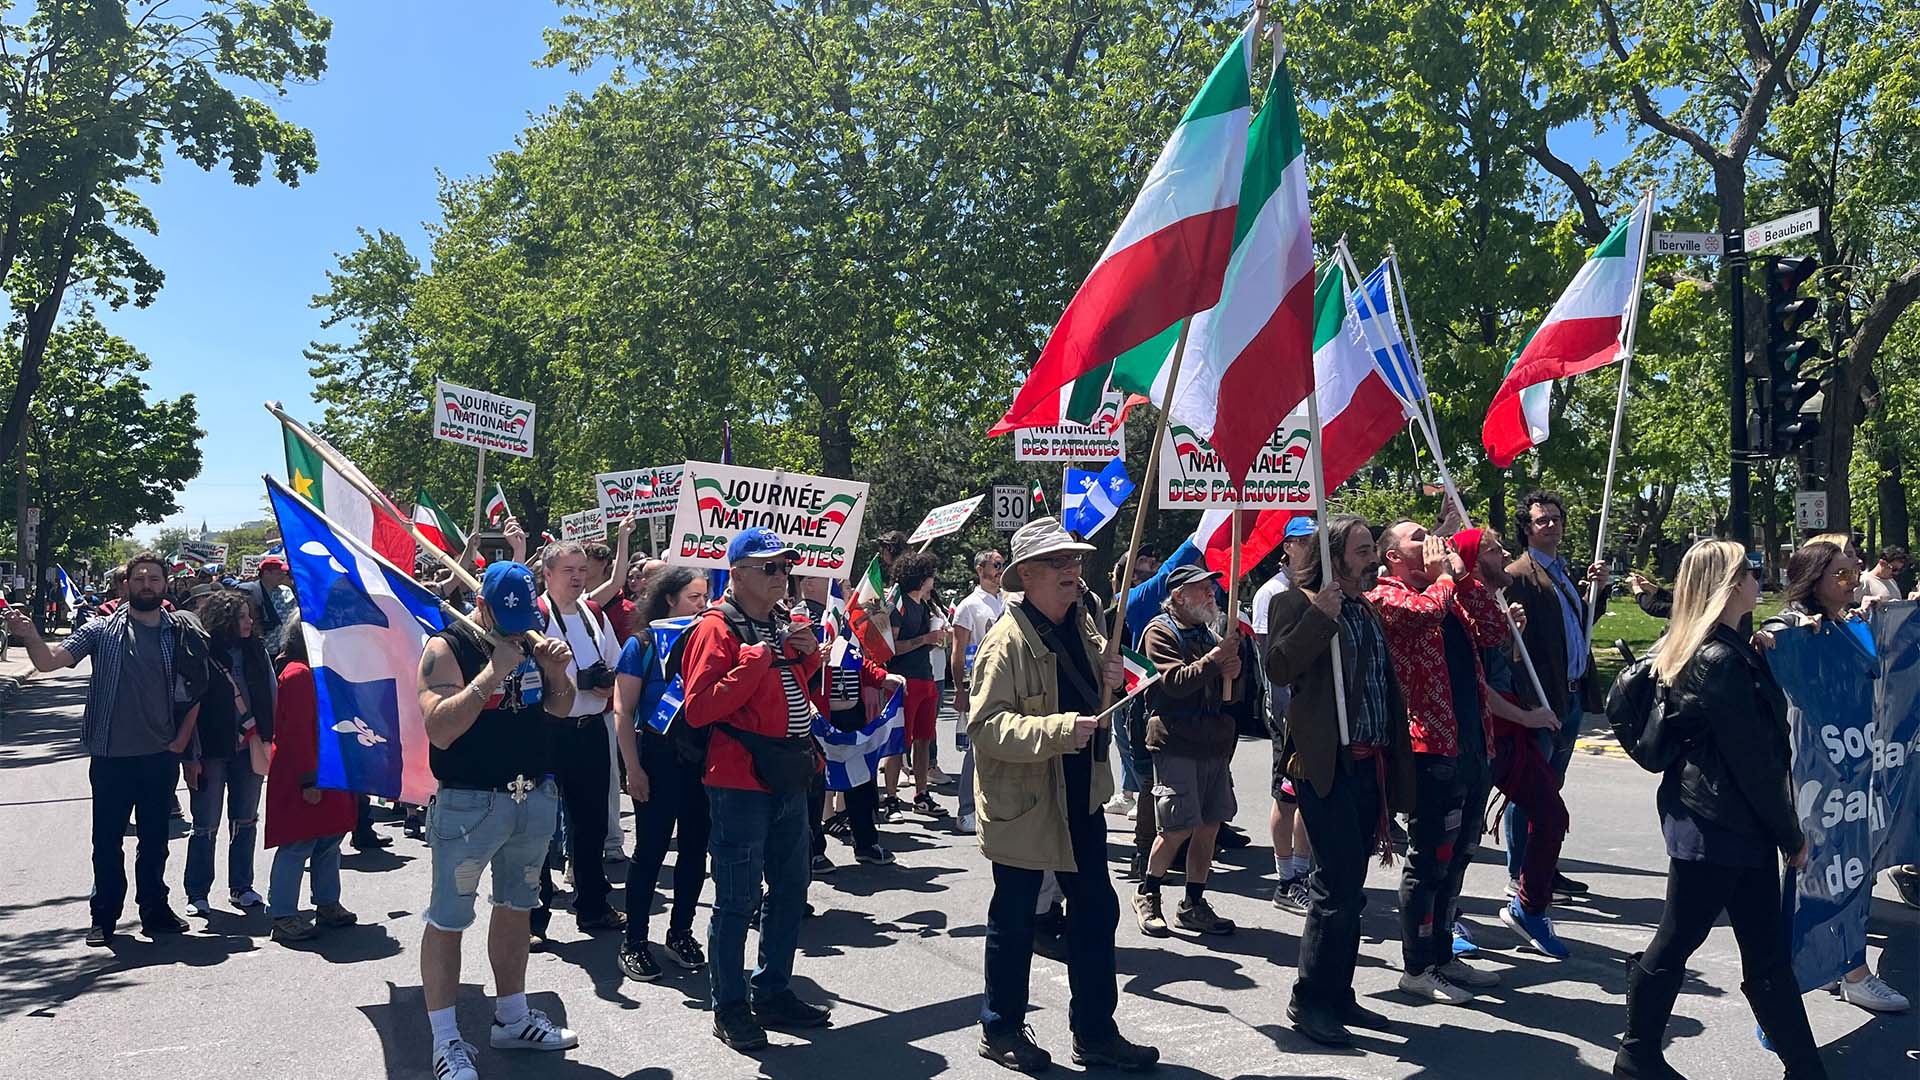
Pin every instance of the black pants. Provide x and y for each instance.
(1475, 776)
(1434, 833)
(862, 803)
(816, 809)
(140, 788)
(1343, 827)
(580, 765)
(1090, 960)
(1697, 892)
(676, 798)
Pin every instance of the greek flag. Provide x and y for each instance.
(1381, 328)
(665, 633)
(1088, 500)
(854, 756)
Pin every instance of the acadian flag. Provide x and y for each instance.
(1585, 330)
(310, 477)
(1168, 257)
(496, 511)
(1140, 671)
(435, 525)
(876, 639)
(1249, 358)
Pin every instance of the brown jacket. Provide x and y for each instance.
(1300, 655)
(1185, 714)
(1546, 636)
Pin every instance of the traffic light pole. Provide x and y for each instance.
(1739, 514)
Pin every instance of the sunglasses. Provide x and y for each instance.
(777, 568)
(996, 564)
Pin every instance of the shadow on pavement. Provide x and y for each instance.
(41, 725)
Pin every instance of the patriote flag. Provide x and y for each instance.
(1168, 257)
(497, 511)
(876, 639)
(1140, 671)
(435, 525)
(1249, 358)
(334, 494)
(1585, 330)
(1038, 497)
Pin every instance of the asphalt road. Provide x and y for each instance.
(896, 949)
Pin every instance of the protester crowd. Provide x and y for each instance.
(1422, 688)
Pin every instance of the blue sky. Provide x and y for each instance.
(412, 86)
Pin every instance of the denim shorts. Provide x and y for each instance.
(467, 831)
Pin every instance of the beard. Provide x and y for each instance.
(144, 601)
(1206, 614)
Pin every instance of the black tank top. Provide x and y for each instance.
(508, 739)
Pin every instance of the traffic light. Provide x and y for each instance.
(1793, 373)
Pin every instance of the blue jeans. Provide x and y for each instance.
(1557, 748)
(232, 781)
(1123, 742)
(290, 865)
(755, 835)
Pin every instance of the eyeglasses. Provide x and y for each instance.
(995, 564)
(1060, 562)
(776, 568)
(1846, 573)
(1548, 522)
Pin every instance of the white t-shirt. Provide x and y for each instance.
(1872, 584)
(1263, 599)
(590, 641)
(976, 615)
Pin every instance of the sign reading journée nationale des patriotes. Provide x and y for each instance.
(1192, 478)
(818, 516)
(640, 493)
(481, 420)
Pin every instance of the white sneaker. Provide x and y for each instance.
(1460, 974)
(531, 1032)
(1872, 994)
(1119, 804)
(1133, 812)
(453, 1060)
(969, 825)
(247, 898)
(1434, 986)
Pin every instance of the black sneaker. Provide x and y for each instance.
(684, 950)
(1565, 888)
(822, 866)
(610, 919)
(1907, 880)
(162, 921)
(368, 840)
(786, 1010)
(1291, 896)
(1360, 1016)
(1231, 839)
(840, 827)
(98, 936)
(873, 855)
(1015, 1050)
(1114, 1052)
(639, 963)
(735, 1026)
(924, 804)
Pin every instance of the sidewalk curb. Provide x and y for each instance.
(1602, 746)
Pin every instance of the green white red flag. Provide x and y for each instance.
(497, 511)
(869, 594)
(1585, 330)
(1140, 671)
(434, 524)
(1169, 256)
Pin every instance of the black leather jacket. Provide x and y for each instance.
(1736, 771)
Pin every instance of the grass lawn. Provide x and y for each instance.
(1626, 622)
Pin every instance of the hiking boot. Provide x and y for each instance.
(1015, 1050)
(785, 1011)
(684, 949)
(1199, 915)
(333, 916)
(734, 1025)
(1146, 907)
(1316, 1025)
(1114, 1052)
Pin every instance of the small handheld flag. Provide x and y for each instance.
(1140, 671)
(1039, 498)
(435, 525)
(497, 511)
(1089, 500)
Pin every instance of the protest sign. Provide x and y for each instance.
(481, 420)
(250, 565)
(640, 493)
(818, 516)
(1192, 477)
(1853, 728)
(199, 553)
(585, 525)
(944, 520)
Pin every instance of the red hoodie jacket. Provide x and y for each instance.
(1412, 621)
(729, 681)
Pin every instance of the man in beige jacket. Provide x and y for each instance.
(1040, 779)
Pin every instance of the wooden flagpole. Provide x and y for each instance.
(1619, 409)
(480, 489)
(1233, 594)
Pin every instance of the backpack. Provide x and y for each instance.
(690, 743)
(1637, 712)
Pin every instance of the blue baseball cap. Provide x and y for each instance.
(758, 543)
(507, 587)
(1299, 527)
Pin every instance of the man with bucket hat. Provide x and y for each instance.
(1034, 726)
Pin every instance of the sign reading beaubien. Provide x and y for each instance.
(481, 420)
(818, 515)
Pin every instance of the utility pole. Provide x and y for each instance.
(1739, 514)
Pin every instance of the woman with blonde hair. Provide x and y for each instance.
(1727, 814)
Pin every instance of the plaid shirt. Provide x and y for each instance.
(105, 640)
(1367, 725)
(1413, 620)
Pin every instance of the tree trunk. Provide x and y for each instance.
(39, 330)
(1657, 510)
(1894, 523)
(836, 431)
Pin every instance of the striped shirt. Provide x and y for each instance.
(799, 709)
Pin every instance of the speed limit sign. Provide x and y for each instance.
(1011, 505)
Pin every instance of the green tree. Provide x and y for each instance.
(96, 95)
